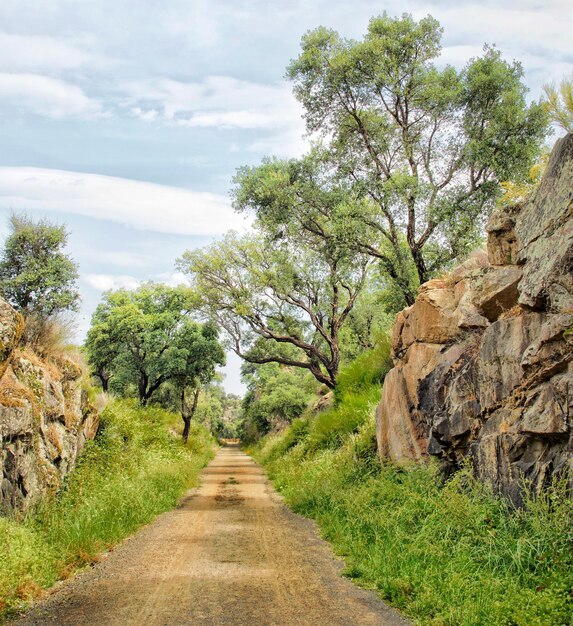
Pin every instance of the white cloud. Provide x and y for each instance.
(46, 96)
(104, 282)
(122, 259)
(458, 56)
(289, 143)
(216, 101)
(142, 205)
(35, 52)
(173, 279)
(537, 34)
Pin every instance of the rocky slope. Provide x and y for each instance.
(483, 359)
(45, 418)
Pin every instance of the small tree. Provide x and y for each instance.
(196, 353)
(145, 339)
(36, 277)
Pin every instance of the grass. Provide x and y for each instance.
(445, 555)
(134, 470)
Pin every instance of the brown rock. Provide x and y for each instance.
(544, 231)
(502, 240)
(11, 327)
(483, 361)
(397, 438)
(431, 318)
(496, 291)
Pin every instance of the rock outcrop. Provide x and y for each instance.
(483, 360)
(45, 418)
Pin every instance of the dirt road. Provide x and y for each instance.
(230, 554)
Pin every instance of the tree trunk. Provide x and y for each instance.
(104, 379)
(187, 415)
(142, 388)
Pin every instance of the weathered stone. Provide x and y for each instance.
(547, 411)
(431, 318)
(499, 360)
(496, 291)
(45, 420)
(502, 240)
(545, 236)
(483, 361)
(11, 327)
(397, 437)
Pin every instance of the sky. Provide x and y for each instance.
(127, 120)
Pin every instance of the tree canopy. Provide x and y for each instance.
(296, 297)
(36, 276)
(143, 338)
(560, 103)
(426, 147)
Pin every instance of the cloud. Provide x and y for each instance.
(35, 52)
(173, 279)
(48, 97)
(105, 282)
(122, 259)
(289, 143)
(216, 101)
(142, 205)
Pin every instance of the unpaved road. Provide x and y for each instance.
(230, 554)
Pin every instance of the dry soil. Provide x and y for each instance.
(231, 554)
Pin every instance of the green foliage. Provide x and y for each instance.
(279, 301)
(425, 148)
(276, 395)
(141, 339)
(218, 411)
(134, 470)
(36, 276)
(368, 368)
(444, 554)
(559, 103)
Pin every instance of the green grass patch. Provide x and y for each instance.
(134, 470)
(445, 554)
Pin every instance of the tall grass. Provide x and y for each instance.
(134, 470)
(446, 555)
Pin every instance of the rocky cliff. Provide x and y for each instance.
(45, 418)
(483, 359)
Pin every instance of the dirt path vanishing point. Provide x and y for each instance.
(230, 554)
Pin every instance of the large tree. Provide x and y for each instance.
(280, 299)
(425, 146)
(145, 337)
(36, 276)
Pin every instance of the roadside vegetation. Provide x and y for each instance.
(136, 468)
(443, 553)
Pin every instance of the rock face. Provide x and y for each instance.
(45, 418)
(483, 360)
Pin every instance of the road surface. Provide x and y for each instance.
(231, 554)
